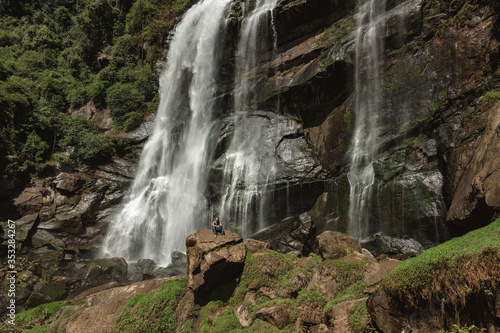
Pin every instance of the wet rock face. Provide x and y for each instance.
(289, 175)
(102, 271)
(293, 234)
(477, 194)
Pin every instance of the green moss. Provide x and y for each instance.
(226, 322)
(293, 69)
(439, 101)
(492, 97)
(406, 48)
(462, 16)
(456, 268)
(187, 327)
(39, 315)
(270, 270)
(354, 291)
(154, 312)
(40, 329)
(259, 326)
(337, 31)
(359, 319)
(416, 141)
(346, 273)
(464, 329)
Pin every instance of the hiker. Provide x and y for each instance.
(217, 227)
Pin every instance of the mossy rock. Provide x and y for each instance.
(47, 292)
(102, 271)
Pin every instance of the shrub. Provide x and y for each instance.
(122, 99)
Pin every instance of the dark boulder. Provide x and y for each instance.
(102, 271)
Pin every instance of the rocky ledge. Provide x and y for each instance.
(237, 284)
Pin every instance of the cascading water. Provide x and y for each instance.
(167, 199)
(247, 174)
(368, 48)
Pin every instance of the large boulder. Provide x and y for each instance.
(30, 200)
(242, 312)
(70, 182)
(45, 238)
(102, 271)
(213, 261)
(278, 315)
(48, 291)
(335, 245)
(25, 225)
(382, 244)
(292, 234)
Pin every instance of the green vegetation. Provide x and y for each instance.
(39, 314)
(457, 268)
(416, 141)
(154, 312)
(353, 292)
(492, 97)
(35, 320)
(59, 55)
(359, 319)
(287, 277)
(462, 16)
(465, 329)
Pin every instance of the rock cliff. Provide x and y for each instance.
(438, 173)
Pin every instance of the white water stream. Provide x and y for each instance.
(247, 174)
(368, 48)
(167, 201)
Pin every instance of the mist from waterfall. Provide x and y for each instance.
(247, 175)
(361, 175)
(167, 200)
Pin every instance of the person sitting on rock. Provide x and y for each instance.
(217, 227)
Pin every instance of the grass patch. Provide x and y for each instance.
(345, 273)
(270, 270)
(461, 266)
(354, 291)
(359, 319)
(154, 312)
(39, 316)
(225, 322)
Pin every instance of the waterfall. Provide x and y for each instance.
(167, 200)
(247, 174)
(361, 175)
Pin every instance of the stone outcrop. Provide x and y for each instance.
(293, 234)
(477, 194)
(435, 315)
(215, 261)
(334, 245)
(102, 271)
(276, 315)
(242, 312)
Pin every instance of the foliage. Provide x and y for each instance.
(353, 292)
(359, 319)
(455, 269)
(154, 312)
(39, 315)
(60, 55)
